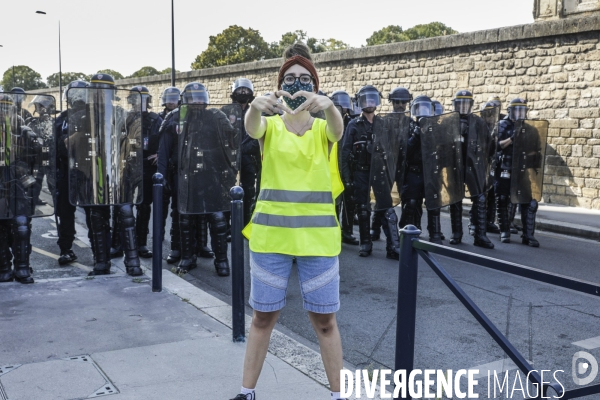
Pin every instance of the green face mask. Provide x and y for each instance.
(296, 87)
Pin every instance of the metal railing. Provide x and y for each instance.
(410, 250)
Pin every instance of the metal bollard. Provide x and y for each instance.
(238, 317)
(407, 300)
(157, 231)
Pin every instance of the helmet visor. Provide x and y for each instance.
(438, 108)
(422, 109)
(342, 101)
(195, 96)
(518, 113)
(242, 83)
(463, 106)
(368, 100)
(171, 98)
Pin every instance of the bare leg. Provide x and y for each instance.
(326, 328)
(258, 345)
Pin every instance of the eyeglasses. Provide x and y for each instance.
(304, 79)
(399, 102)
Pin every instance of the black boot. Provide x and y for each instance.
(502, 204)
(186, 231)
(480, 216)
(456, 211)
(472, 218)
(412, 212)
(347, 212)
(175, 253)
(218, 235)
(375, 231)
(131, 260)
(22, 249)
(435, 226)
(528, 213)
(141, 227)
(491, 212)
(6, 273)
(366, 244)
(512, 211)
(100, 233)
(66, 257)
(393, 240)
(116, 248)
(202, 238)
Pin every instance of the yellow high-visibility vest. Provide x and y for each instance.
(295, 210)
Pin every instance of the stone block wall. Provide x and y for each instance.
(554, 65)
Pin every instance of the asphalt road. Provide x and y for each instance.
(542, 322)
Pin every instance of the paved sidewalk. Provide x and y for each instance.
(566, 220)
(111, 336)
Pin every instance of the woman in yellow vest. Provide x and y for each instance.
(294, 215)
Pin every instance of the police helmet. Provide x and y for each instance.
(438, 108)
(400, 94)
(242, 83)
(19, 95)
(489, 105)
(341, 99)
(146, 97)
(517, 109)
(6, 102)
(75, 95)
(195, 93)
(44, 102)
(170, 95)
(422, 106)
(463, 102)
(496, 100)
(368, 97)
(102, 81)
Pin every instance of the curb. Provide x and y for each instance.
(546, 225)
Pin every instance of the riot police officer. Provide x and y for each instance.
(242, 93)
(18, 98)
(151, 124)
(476, 152)
(357, 151)
(413, 188)
(65, 211)
(170, 100)
(101, 94)
(517, 113)
(345, 202)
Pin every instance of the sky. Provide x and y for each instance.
(125, 35)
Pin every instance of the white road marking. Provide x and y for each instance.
(56, 257)
(588, 344)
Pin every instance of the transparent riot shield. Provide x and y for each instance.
(105, 147)
(529, 154)
(481, 147)
(442, 160)
(209, 143)
(27, 156)
(388, 157)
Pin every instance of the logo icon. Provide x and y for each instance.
(589, 367)
(100, 76)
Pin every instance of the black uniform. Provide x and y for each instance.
(150, 138)
(345, 202)
(250, 171)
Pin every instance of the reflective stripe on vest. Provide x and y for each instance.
(292, 196)
(302, 221)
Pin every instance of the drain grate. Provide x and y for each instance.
(77, 377)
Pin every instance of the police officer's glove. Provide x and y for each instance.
(417, 130)
(348, 185)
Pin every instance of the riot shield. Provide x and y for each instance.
(388, 157)
(529, 154)
(105, 147)
(481, 147)
(442, 160)
(209, 143)
(27, 156)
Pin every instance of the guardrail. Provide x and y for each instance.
(411, 248)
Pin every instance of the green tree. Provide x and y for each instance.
(167, 71)
(116, 75)
(233, 46)
(395, 33)
(315, 45)
(24, 77)
(144, 71)
(429, 30)
(389, 34)
(67, 77)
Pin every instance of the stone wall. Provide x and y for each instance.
(554, 64)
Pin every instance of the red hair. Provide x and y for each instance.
(302, 61)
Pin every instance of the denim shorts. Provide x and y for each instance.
(319, 282)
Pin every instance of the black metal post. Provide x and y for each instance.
(59, 70)
(157, 231)
(407, 300)
(238, 315)
(172, 43)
